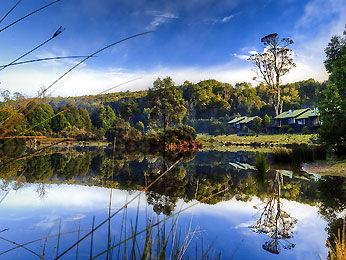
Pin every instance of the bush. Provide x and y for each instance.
(181, 133)
(305, 130)
(261, 163)
(290, 130)
(123, 132)
(140, 126)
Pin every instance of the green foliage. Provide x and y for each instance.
(39, 116)
(59, 123)
(70, 121)
(332, 104)
(305, 130)
(207, 106)
(166, 102)
(140, 126)
(128, 109)
(262, 164)
(257, 125)
(104, 117)
(122, 132)
(246, 99)
(11, 119)
(175, 134)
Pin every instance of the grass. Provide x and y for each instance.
(220, 141)
(338, 252)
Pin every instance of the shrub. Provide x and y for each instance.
(181, 133)
(290, 130)
(261, 163)
(123, 132)
(305, 130)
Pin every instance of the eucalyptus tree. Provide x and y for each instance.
(166, 102)
(275, 61)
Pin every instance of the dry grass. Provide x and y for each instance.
(339, 251)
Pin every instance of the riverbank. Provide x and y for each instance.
(281, 140)
(329, 167)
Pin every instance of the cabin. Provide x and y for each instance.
(310, 118)
(235, 122)
(299, 119)
(289, 117)
(244, 125)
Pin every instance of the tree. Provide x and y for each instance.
(274, 62)
(11, 119)
(246, 99)
(332, 103)
(70, 116)
(128, 109)
(84, 119)
(266, 122)
(104, 117)
(39, 116)
(166, 102)
(122, 132)
(59, 122)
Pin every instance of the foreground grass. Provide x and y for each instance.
(338, 252)
(335, 168)
(219, 141)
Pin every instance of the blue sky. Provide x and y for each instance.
(193, 40)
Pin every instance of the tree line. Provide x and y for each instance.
(163, 105)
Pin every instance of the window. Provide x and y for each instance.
(301, 121)
(291, 120)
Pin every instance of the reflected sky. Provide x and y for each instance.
(224, 226)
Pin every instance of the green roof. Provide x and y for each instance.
(292, 113)
(247, 120)
(237, 120)
(242, 120)
(309, 113)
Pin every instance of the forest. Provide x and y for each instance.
(206, 106)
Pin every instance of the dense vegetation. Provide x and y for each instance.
(207, 106)
(333, 98)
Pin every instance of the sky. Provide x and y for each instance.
(191, 40)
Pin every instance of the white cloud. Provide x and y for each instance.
(309, 57)
(160, 18)
(88, 81)
(244, 56)
(221, 20)
(241, 56)
(309, 49)
(226, 19)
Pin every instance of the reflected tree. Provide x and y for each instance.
(161, 203)
(41, 191)
(332, 192)
(274, 221)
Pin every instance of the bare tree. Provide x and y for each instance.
(274, 62)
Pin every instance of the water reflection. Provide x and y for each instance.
(223, 225)
(274, 221)
(285, 207)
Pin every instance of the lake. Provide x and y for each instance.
(209, 204)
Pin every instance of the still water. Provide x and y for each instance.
(210, 204)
